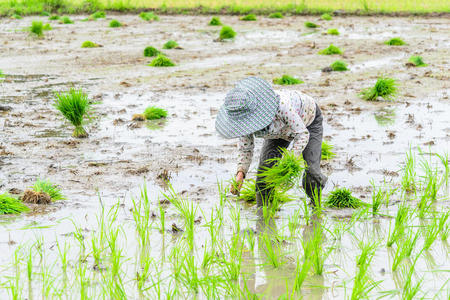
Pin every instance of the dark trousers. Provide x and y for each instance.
(313, 180)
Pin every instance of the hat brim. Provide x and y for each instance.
(262, 115)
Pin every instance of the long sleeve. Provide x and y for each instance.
(298, 131)
(246, 145)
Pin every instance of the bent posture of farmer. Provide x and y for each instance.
(253, 109)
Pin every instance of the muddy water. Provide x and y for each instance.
(370, 139)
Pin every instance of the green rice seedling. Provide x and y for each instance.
(1, 74)
(65, 20)
(314, 249)
(98, 15)
(16, 16)
(431, 233)
(409, 172)
(276, 15)
(333, 31)
(378, 197)
(161, 61)
(114, 24)
(301, 272)
(249, 17)
(148, 16)
(11, 205)
(62, 253)
(311, 25)
(367, 252)
(417, 61)
(227, 33)
(342, 198)
(326, 17)
(215, 21)
(45, 186)
(37, 28)
(154, 113)
(74, 106)
(395, 42)
(385, 88)
(401, 220)
(339, 65)
(444, 226)
(151, 51)
(170, 45)
(53, 17)
(363, 284)
(287, 80)
(405, 248)
(327, 150)
(47, 27)
(430, 180)
(285, 171)
(30, 264)
(444, 161)
(141, 217)
(330, 50)
(272, 249)
(89, 44)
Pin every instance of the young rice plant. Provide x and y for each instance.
(114, 24)
(154, 113)
(161, 61)
(227, 33)
(249, 17)
(385, 88)
(276, 15)
(311, 25)
(326, 17)
(333, 31)
(45, 186)
(11, 205)
(170, 45)
(89, 44)
(342, 198)
(339, 66)
(327, 150)
(332, 49)
(74, 106)
(148, 16)
(417, 61)
(151, 51)
(215, 21)
(37, 28)
(287, 80)
(395, 42)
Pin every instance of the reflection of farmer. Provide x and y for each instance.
(253, 109)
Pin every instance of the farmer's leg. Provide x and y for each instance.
(313, 180)
(270, 149)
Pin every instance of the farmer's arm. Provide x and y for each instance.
(246, 145)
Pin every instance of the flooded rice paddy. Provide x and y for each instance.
(112, 240)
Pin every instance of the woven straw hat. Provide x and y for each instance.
(250, 106)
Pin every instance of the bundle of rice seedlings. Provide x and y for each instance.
(154, 113)
(114, 24)
(34, 197)
(11, 205)
(333, 31)
(285, 172)
(98, 15)
(249, 17)
(248, 193)
(287, 80)
(311, 25)
(37, 28)
(339, 65)
(385, 88)
(47, 27)
(45, 186)
(327, 152)
(65, 20)
(54, 17)
(326, 17)
(150, 51)
(170, 45)
(16, 16)
(74, 105)
(332, 49)
(215, 21)
(342, 198)
(276, 15)
(89, 44)
(161, 61)
(148, 16)
(227, 33)
(417, 61)
(45, 13)
(395, 42)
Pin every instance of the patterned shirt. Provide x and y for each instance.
(295, 113)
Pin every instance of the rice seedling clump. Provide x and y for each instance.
(161, 61)
(98, 15)
(227, 33)
(170, 45)
(53, 17)
(31, 196)
(287, 80)
(37, 28)
(342, 198)
(276, 15)
(311, 25)
(148, 16)
(115, 23)
(89, 44)
(74, 105)
(395, 42)
(11, 205)
(285, 170)
(154, 113)
(47, 27)
(16, 16)
(332, 49)
(385, 88)
(45, 186)
(150, 51)
(249, 17)
(339, 65)
(417, 61)
(326, 17)
(65, 20)
(327, 152)
(333, 31)
(248, 193)
(215, 21)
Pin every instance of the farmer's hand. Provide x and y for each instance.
(235, 188)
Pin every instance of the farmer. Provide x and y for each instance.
(253, 109)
